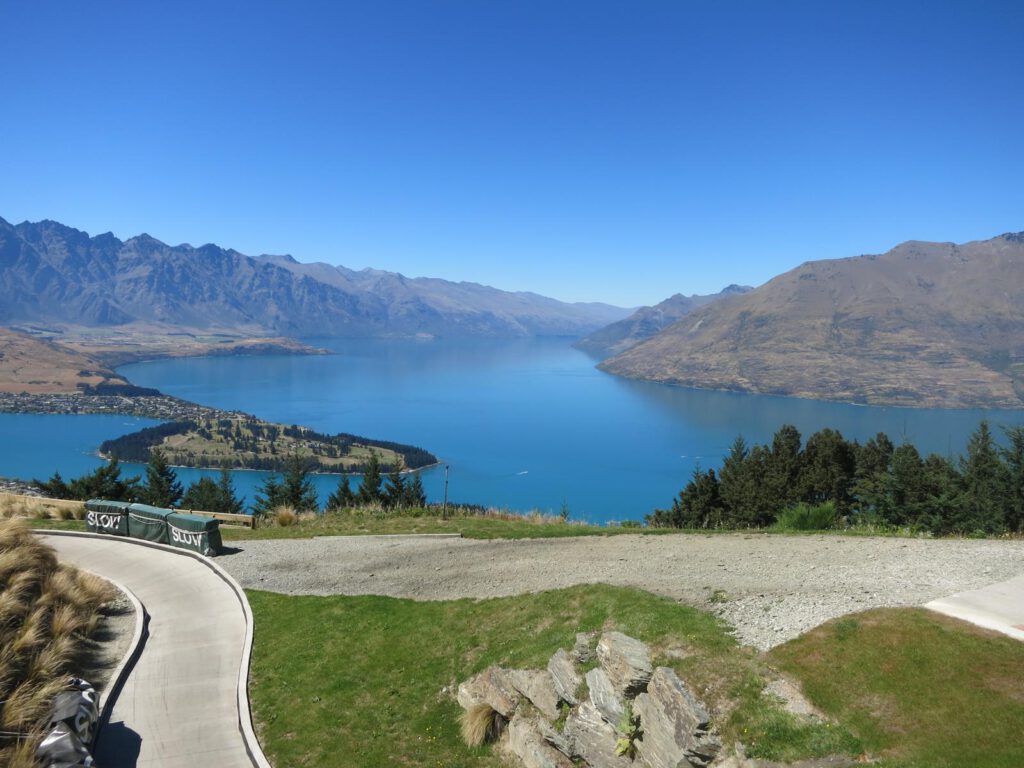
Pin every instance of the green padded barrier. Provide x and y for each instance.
(103, 516)
(195, 532)
(149, 523)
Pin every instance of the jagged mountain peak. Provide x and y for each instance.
(53, 273)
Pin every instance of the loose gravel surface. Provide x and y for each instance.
(770, 588)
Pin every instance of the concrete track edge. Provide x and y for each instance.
(252, 744)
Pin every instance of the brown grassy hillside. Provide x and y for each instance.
(926, 324)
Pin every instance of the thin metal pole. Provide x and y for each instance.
(444, 509)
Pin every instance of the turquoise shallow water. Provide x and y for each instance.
(523, 424)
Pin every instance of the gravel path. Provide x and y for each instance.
(770, 588)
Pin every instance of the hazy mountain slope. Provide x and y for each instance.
(648, 321)
(53, 274)
(924, 324)
(426, 301)
(37, 366)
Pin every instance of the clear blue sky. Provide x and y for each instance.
(585, 150)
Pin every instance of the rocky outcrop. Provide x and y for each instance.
(604, 696)
(593, 738)
(627, 662)
(676, 725)
(493, 688)
(622, 713)
(526, 742)
(565, 677)
(539, 687)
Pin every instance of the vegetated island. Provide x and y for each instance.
(242, 441)
(39, 375)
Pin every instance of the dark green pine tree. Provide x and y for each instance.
(782, 470)
(828, 469)
(740, 486)
(415, 496)
(297, 489)
(394, 490)
(267, 497)
(342, 498)
(105, 483)
(984, 485)
(698, 505)
(1013, 458)
(202, 495)
(874, 465)
(227, 499)
(55, 487)
(369, 489)
(162, 488)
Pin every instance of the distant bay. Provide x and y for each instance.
(523, 424)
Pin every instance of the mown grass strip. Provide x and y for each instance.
(920, 689)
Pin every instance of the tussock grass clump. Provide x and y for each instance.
(47, 610)
(284, 517)
(480, 724)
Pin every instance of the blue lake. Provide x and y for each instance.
(523, 424)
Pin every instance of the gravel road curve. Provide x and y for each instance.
(770, 588)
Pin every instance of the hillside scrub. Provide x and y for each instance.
(47, 613)
(877, 485)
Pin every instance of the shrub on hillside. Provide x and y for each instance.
(808, 517)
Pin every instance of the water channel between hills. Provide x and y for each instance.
(523, 424)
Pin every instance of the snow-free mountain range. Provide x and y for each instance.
(51, 274)
(925, 324)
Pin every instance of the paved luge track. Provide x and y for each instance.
(179, 706)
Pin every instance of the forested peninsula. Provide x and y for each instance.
(244, 442)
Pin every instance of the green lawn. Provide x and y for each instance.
(366, 680)
(920, 688)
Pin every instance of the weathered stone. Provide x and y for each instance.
(585, 649)
(604, 697)
(526, 741)
(593, 739)
(565, 677)
(556, 738)
(491, 687)
(627, 662)
(538, 687)
(676, 726)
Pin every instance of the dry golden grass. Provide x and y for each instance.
(481, 724)
(22, 754)
(66, 621)
(46, 609)
(284, 517)
(15, 506)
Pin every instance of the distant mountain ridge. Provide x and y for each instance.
(649, 321)
(925, 324)
(53, 274)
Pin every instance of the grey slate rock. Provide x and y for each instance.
(604, 697)
(627, 662)
(593, 739)
(538, 687)
(491, 687)
(526, 741)
(565, 677)
(676, 726)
